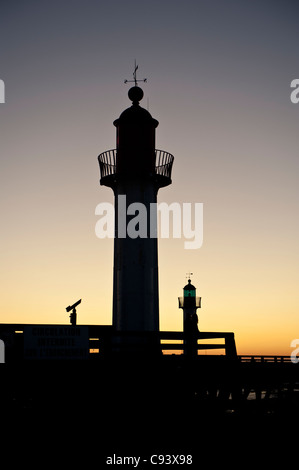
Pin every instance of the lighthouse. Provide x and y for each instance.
(190, 303)
(135, 171)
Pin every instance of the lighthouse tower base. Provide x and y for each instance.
(135, 277)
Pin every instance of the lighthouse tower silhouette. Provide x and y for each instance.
(190, 303)
(135, 171)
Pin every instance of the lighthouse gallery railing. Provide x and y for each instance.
(163, 167)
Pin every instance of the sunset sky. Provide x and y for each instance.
(219, 75)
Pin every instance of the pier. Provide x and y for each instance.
(161, 373)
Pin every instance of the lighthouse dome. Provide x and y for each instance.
(135, 114)
(189, 286)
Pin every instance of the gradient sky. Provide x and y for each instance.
(219, 75)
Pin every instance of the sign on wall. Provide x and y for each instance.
(56, 342)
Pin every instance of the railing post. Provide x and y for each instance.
(230, 346)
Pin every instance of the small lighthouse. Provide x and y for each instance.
(135, 171)
(190, 303)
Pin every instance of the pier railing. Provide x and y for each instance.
(168, 342)
(102, 342)
(264, 359)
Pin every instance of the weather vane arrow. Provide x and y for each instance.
(135, 77)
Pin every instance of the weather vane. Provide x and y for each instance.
(135, 77)
(188, 275)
